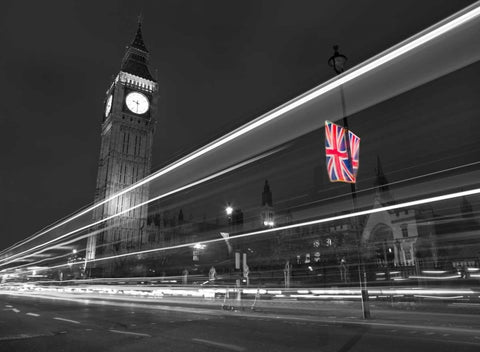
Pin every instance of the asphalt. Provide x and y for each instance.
(66, 323)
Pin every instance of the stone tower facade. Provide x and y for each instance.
(267, 213)
(125, 154)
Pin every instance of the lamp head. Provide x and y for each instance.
(337, 60)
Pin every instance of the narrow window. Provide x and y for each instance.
(124, 140)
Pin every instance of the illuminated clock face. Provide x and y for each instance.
(137, 103)
(108, 107)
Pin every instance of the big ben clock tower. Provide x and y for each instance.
(125, 154)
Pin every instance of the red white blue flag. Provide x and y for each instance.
(339, 166)
(354, 151)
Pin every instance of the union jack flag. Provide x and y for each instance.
(339, 167)
(354, 151)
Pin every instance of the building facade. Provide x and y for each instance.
(125, 154)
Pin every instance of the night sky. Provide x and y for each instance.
(219, 64)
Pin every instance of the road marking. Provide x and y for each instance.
(129, 333)
(400, 324)
(23, 336)
(219, 344)
(67, 320)
(446, 335)
(16, 310)
(8, 306)
(88, 329)
(33, 314)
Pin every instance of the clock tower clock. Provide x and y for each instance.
(125, 155)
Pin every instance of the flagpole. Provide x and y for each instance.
(337, 61)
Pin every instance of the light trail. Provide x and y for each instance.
(292, 226)
(36, 254)
(196, 183)
(379, 60)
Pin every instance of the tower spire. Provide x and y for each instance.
(267, 195)
(381, 184)
(136, 57)
(138, 42)
(380, 179)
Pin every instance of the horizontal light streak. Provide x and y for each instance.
(434, 271)
(437, 297)
(406, 46)
(209, 293)
(312, 222)
(450, 277)
(326, 296)
(306, 223)
(196, 183)
(49, 258)
(415, 291)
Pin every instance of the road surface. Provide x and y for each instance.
(51, 324)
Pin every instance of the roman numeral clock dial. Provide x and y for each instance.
(137, 103)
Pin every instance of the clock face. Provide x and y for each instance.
(108, 107)
(137, 103)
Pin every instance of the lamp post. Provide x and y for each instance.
(337, 62)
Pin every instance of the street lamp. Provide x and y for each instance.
(337, 61)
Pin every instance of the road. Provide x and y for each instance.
(52, 324)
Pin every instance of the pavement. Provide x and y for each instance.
(67, 322)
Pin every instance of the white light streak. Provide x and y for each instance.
(436, 277)
(308, 223)
(406, 46)
(208, 178)
(434, 271)
(440, 298)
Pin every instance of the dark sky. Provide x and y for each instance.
(219, 63)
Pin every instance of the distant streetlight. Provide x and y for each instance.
(74, 251)
(229, 210)
(199, 246)
(269, 223)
